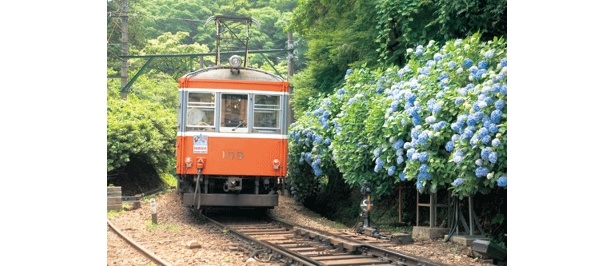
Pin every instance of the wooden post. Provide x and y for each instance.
(114, 198)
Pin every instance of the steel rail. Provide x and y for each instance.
(137, 246)
(293, 257)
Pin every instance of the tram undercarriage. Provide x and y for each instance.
(223, 191)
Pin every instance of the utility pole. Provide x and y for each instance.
(291, 49)
(124, 46)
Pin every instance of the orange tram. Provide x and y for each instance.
(232, 137)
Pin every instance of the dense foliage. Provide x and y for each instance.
(149, 20)
(143, 126)
(139, 128)
(356, 33)
(439, 121)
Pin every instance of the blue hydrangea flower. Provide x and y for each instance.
(402, 176)
(503, 62)
(452, 65)
(467, 63)
(415, 132)
(475, 107)
(399, 152)
(486, 139)
(407, 145)
(499, 104)
(468, 132)
(439, 125)
(424, 176)
(483, 64)
(379, 162)
(419, 50)
(423, 137)
(326, 114)
(430, 104)
(493, 157)
(423, 168)
(495, 142)
(502, 181)
(481, 171)
(391, 170)
(420, 187)
(423, 157)
(456, 126)
(462, 91)
(459, 100)
(443, 75)
(430, 119)
(482, 132)
(493, 128)
(489, 54)
(398, 144)
(484, 153)
(415, 156)
(496, 115)
(410, 153)
(400, 159)
(376, 152)
(458, 182)
(457, 157)
(437, 107)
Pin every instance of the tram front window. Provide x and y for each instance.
(267, 113)
(235, 112)
(201, 109)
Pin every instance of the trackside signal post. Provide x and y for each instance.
(367, 227)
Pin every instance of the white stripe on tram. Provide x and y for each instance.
(233, 135)
(233, 91)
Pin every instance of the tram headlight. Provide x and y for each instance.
(235, 61)
(276, 164)
(188, 162)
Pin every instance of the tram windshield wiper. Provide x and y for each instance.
(238, 125)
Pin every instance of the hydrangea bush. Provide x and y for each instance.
(439, 121)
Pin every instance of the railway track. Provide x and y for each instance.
(139, 248)
(278, 241)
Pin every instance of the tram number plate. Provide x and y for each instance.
(231, 155)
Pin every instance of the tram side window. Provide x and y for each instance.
(235, 111)
(267, 113)
(201, 110)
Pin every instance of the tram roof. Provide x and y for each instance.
(224, 72)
